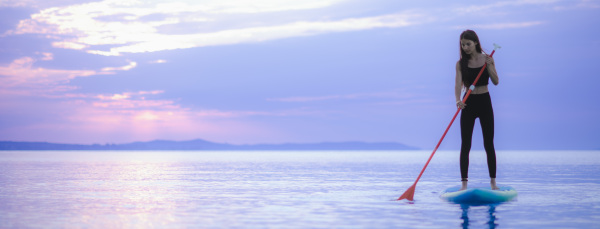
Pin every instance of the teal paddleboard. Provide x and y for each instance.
(479, 195)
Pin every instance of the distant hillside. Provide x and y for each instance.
(203, 145)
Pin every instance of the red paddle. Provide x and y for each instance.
(410, 192)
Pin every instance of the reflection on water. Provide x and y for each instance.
(110, 194)
(69, 189)
(491, 212)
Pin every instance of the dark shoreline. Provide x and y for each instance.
(204, 145)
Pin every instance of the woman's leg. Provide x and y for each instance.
(486, 120)
(467, 122)
(487, 128)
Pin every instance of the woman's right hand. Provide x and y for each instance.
(461, 105)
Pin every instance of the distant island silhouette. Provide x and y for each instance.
(200, 144)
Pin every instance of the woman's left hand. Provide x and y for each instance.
(489, 60)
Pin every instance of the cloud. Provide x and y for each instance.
(485, 9)
(508, 25)
(47, 56)
(582, 4)
(259, 34)
(136, 116)
(22, 73)
(112, 28)
(376, 95)
(136, 104)
(16, 3)
(69, 45)
(127, 95)
(104, 125)
(128, 67)
(133, 27)
(160, 61)
(136, 101)
(21, 77)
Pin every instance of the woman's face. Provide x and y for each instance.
(468, 46)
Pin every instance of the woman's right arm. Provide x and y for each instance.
(458, 87)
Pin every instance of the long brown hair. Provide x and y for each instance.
(464, 57)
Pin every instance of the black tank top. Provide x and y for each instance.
(470, 74)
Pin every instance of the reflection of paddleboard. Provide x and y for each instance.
(478, 196)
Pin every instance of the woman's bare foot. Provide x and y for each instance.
(493, 184)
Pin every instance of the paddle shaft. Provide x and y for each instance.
(409, 196)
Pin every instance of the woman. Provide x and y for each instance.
(478, 105)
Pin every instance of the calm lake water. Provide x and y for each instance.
(323, 189)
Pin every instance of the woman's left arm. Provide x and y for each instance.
(491, 67)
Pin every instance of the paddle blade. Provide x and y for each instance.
(409, 194)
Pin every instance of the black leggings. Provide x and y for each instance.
(478, 106)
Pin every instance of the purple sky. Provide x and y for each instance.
(276, 71)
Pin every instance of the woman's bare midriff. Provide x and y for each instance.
(480, 90)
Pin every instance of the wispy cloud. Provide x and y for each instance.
(22, 77)
(160, 61)
(143, 115)
(134, 27)
(141, 123)
(21, 73)
(258, 34)
(46, 56)
(112, 28)
(133, 100)
(127, 95)
(133, 115)
(581, 4)
(487, 8)
(16, 3)
(127, 67)
(507, 25)
(138, 114)
(378, 95)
